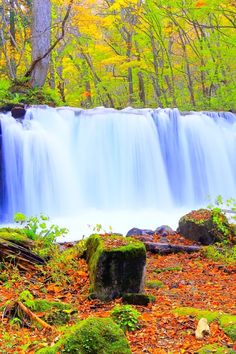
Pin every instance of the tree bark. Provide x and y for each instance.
(22, 256)
(41, 26)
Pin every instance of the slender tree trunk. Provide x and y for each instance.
(130, 71)
(187, 70)
(13, 36)
(41, 13)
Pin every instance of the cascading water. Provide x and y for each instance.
(126, 167)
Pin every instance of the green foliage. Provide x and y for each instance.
(66, 260)
(219, 217)
(223, 253)
(126, 316)
(38, 228)
(20, 91)
(19, 218)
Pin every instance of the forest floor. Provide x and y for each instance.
(189, 280)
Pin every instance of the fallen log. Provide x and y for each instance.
(167, 248)
(19, 255)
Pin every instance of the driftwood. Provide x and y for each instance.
(18, 310)
(166, 248)
(32, 315)
(17, 254)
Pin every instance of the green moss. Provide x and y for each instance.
(91, 336)
(14, 235)
(154, 284)
(138, 299)
(227, 322)
(168, 269)
(214, 348)
(40, 305)
(190, 311)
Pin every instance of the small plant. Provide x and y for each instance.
(126, 317)
(225, 254)
(219, 210)
(37, 228)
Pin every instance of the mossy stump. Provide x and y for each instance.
(116, 266)
(91, 336)
(205, 226)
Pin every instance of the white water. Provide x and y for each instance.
(127, 168)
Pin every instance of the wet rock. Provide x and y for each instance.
(18, 112)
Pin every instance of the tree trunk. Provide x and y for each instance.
(41, 13)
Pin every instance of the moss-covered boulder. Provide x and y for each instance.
(138, 299)
(116, 265)
(205, 226)
(91, 336)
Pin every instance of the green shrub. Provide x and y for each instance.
(38, 228)
(126, 316)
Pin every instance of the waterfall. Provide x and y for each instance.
(64, 161)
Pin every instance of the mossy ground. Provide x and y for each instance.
(227, 322)
(212, 348)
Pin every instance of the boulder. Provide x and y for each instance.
(164, 230)
(205, 226)
(18, 111)
(93, 335)
(116, 265)
(136, 231)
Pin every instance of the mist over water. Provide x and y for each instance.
(127, 168)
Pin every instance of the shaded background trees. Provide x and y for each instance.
(123, 52)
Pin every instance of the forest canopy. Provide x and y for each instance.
(116, 53)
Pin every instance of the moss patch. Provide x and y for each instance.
(169, 269)
(154, 284)
(214, 348)
(227, 322)
(14, 235)
(91, 336)
(190, 311)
